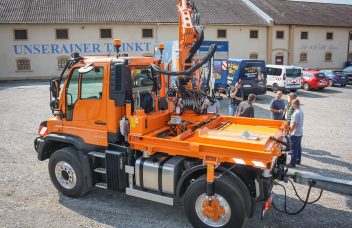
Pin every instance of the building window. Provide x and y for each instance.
(303, 57)
(221, 33)
(328, 57)
(329, 35)
(21, 34)
(280, 34)
(253, 34)
(253, 56)
(23, 64)
(105, 33)
(147, 33)
(304, 35)
(61, 61)
(61, 34)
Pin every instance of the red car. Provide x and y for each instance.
(313, 79)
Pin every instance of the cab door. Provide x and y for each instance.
(85, 105)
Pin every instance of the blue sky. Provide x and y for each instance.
(328, 1)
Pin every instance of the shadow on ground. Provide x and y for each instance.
(22, 83)
(115, 209)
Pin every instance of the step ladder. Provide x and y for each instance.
(109, 168)
(99, 169)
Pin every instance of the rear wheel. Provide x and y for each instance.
(275, 87)
(66, 173)
(227, 208)
(306, 86)
(343, 85)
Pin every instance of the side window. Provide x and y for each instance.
(141, 81)
(72, 94)
(273, 71)
(92, 84)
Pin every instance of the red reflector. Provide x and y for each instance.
(268, 203)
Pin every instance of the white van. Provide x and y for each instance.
(284, 78)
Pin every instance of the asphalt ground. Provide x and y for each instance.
(28, 198)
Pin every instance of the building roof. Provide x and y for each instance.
(306, 13)
(123, 11)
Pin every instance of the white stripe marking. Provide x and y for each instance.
(258, 164)
(239, 161)
(42, 132)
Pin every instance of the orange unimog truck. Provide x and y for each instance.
(118, 125)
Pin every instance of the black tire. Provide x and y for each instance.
(343, 85)
(305, 86)
(223, 187)
(293, 90)
(76, 185)
(275, 88)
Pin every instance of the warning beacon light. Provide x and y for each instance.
(117, 45)
(161, 49)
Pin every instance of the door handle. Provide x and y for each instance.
(100, 123)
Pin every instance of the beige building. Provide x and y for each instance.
(38, 37)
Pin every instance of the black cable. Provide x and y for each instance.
(191, 70)
(304, 201)
(314, 201)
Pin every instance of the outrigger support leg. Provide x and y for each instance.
(211, 164)
(339, 186)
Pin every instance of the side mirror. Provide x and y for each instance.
(54, 93)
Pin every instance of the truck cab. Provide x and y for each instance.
(93, 97)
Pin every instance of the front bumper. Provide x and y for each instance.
(37, 143)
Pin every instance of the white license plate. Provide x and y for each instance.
(247, 86)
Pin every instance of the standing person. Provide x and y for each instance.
(236, 95)
(245, 109)
(277, 107)
(289, 108)
(296, 133)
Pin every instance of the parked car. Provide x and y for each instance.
(313, 79)
(336, 77)
(348, 72)
(284, 78)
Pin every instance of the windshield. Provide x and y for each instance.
(320, 75)
(293, 73)
(339, 73)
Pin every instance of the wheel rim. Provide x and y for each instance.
(305, 86)
(275, 88)
(208, 221)
(65, 175)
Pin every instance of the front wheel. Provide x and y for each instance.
(343, 85)
(66, 173)
(306, 86)
(227, 208)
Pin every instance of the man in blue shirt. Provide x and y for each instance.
(277, 107)
(296, 133)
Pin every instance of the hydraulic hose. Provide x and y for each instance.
(191, 70)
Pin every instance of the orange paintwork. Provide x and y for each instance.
(219, 139)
